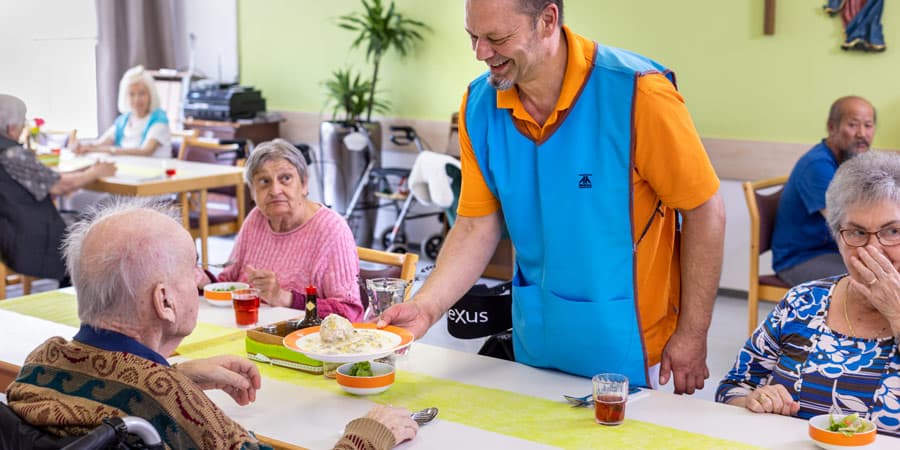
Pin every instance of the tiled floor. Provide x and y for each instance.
(726, 335)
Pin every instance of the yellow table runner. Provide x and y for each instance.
(518, 415)
(62, 308)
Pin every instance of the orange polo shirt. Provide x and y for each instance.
(670, 165)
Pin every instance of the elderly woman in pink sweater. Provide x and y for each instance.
(289, 242)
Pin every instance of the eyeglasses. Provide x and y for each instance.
(856, 237)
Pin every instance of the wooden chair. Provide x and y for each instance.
(763, 206)
(399, 265)
(8, 278)
(8, 374)
(226, 207)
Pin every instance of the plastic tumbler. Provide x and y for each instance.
(246, 306)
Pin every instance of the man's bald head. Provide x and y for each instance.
(117, 256)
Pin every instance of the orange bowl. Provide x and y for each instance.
(222, 291)
(380, 381)
(833, 440)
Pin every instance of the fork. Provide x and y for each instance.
(221, 265)
(424, 416)
(587, 400)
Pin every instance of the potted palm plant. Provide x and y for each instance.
(379, 29)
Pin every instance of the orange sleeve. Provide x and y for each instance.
(475, 199)
(669, 155)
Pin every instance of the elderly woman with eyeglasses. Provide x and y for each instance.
(289, 242)
(835, 341)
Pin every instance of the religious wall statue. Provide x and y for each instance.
(862, 23)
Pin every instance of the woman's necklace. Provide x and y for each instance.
(847, 315)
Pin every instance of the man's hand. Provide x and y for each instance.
(684, 358)
(235, 375)
(104, 169)
(267, 283)
(413, 316)
(395, 419)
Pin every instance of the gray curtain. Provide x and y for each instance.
(132, 32)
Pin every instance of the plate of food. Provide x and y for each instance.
(339, 340)
(219, 294)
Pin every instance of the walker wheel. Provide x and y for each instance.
(398, 248)
(386, 238)
(433, 246)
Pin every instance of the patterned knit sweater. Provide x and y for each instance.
(68, 388)
(321, 252)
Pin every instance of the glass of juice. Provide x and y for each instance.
(610, 396)
(246, 306)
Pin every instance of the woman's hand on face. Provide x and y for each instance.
(773, 399)
(267, 283)
(878, 280)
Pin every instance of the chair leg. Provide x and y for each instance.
(752, 310)
(26, 284)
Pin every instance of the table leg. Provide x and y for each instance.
(204, 229)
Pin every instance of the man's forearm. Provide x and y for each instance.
(702, 242)
(464, 255)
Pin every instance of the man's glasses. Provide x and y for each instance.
(855, 237)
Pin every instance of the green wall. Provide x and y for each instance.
(738, 83)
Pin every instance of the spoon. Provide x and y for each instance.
(424, 416)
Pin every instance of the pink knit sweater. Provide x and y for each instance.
(321, 252)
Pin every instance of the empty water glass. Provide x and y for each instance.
(384, 292)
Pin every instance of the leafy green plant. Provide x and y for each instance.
(379, 31)
(350, 96)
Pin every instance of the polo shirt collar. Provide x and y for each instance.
(113, 341)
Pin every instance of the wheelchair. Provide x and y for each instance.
(114, 433)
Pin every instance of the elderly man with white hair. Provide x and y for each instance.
(142, 128)
(31, 228)
(135, 270)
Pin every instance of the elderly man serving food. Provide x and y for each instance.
(289, 242)
(134, 268)
(834, 342)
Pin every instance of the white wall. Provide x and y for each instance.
(47, 53)
(214, 24)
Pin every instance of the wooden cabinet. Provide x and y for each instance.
(254, 131)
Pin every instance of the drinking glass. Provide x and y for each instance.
(610, 396)
(246, 306)
(384, 292)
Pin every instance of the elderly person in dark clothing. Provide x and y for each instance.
(31, 228)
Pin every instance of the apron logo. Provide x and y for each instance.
(585, 181)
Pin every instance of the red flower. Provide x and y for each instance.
(38, 121)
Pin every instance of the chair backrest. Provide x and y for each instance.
(210, 151)
(390, 265)
(763, 207)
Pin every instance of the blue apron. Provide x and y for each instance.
(567, 204)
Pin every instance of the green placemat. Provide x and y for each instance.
(62, 308)
(518, 415)
(54, 306)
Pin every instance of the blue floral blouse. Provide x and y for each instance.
(819, 367)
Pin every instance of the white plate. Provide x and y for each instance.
(399, 338)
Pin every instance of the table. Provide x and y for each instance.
(484, 402)
(145, 176)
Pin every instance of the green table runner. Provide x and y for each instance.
(518, 415)
(62, 308)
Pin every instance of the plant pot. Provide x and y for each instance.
(341, 170)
